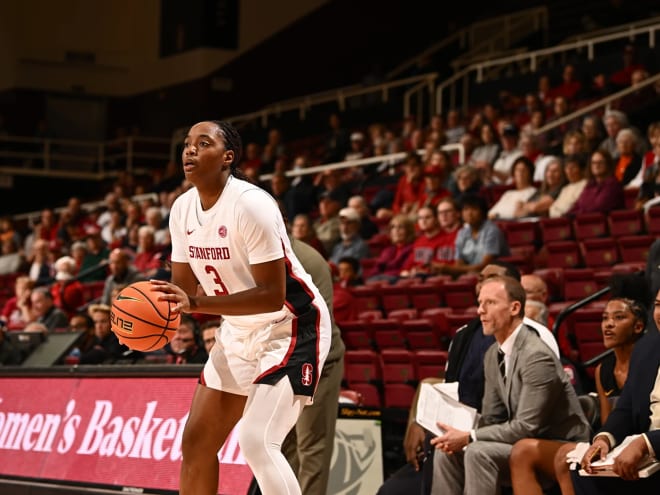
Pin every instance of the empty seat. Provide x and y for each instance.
(387, 333)
(430, 363)
(426, 295)
(634, 249)
(588, 225)
(397, 366)
(457, 320)
(520, 233)
(586, 325)
(356, 334)
(362, 366)
(599, 252)
(459, 294)
(625, 222)
(369, 394)
(403, 314)
(579, 283)
(438, 318)
(394, 297)
(563, 254)
(398, 395)
(419, 334)
(555, 229)
(653, 221)
(366, 297)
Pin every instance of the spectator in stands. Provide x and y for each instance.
(358, 148)
(301, 229)
(509, 205)
(272, 151)
(479, 241)
(424, 248)
(351, 244)
(333, 181)
(556, 135)
(623, 77)
(629, 163)
(570, 86)
(121, 274)
(44, 310)
(536, 290)
(106, 347)
(41, 263)
(501, 170)
(368, 227)
(11, 257)
(434, 180)
(337, 142)
(484, 155)
(603, 192)
(574, 169)
(538, 205)
(185, 346)
(524, 381)
(17, 311)
(390, 262)
(593, 134)
(67, 292)
(82, 322)
(455, 128)
(326, 226)
(111, 203)
(77, 252)
(252, 160)
(93, 266)
(114, 233)
(132, 214)
(649, 187)
(208, 330)
(409, 189)
(528, 144)
(9, 353)
(449, 219)
(8, 230)
(148, 258)
(47, 228)
(302, 188)
(154, 218)
(348, 273)
(614, 121)
(533, 460)
(466, 181)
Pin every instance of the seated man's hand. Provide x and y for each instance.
(626, 463)
(452, 441)
(413, 444)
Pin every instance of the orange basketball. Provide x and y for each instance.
(140, 321)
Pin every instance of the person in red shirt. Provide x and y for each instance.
(68, 294)
(424, 248)
(449, 219)
(410, 187)
(148, 258)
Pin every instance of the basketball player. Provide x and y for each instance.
(229, 237)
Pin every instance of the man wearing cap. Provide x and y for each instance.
(351, 245)
(434, 191)
(509, 153)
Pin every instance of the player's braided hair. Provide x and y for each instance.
(233, 142)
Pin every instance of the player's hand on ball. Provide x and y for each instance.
(173, 293)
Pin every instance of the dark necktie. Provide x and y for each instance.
(500, 363)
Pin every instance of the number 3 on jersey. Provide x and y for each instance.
(216, 280)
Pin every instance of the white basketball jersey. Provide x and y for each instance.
(243, 228)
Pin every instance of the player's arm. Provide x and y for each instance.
(267, 295)
(183, 276)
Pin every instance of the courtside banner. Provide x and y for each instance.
(124, 432)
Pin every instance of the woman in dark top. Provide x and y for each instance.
(603, 192)
(622, 324)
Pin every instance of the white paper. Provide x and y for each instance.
(439, 403)
(602, 466)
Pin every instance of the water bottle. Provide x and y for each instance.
(73, 357)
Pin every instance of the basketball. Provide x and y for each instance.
(140, 321)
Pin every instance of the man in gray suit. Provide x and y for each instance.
(526, 394)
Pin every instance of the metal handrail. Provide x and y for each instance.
(604, 102)
(533, 57)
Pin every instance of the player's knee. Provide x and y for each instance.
(253, 445)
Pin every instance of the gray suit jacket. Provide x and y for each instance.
(537, 399)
